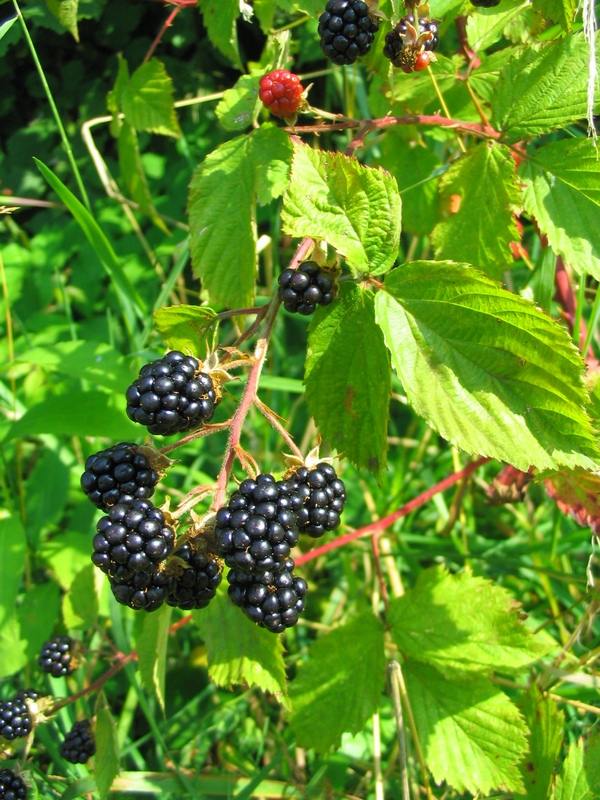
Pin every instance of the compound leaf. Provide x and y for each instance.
(339, 688)
(346, 358)
(486, 369)
(562, 192)
(355, 209)
(481, 231)
(472, 735)
(147, 100)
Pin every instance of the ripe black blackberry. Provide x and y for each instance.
(273, 600)
(133, 537)
(346, 30)
(79, 744)
(485, 3)
(305, 288)
(11, 786)
(122, 471)
(56, 657)
(142, 591)
(257, 529)
(405, 41)
(323, 497)
(171, 395)
(194, 586)
(15, 720)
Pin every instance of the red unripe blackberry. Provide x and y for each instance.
(346, 30)
(55, 657)
(281, 92)
(79, 744)
(323, 497)
(15, 720)
(272, 600)
(119, 471)
(304, 289)
(196, 585)
(142, 591)
(133, 537)
(11, 786)
(171, 395)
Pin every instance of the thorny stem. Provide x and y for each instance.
(167, 24)
(273, 420)
(199, 434)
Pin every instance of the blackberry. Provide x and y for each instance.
(15, 720)
(281, 92)
(304, 289)
(55, 657)
(120, 471)
(485, 3)
(11, 786)
(196, 585)
(272, 600)
(30, 694)
(257, 529)
(133, 537)
(78, 745)
(171, 395)
(323, 497)
(142, 591)
(346, 30)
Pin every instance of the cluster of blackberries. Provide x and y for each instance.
(56, 657)
(15, 718)
(409, 45)
(79, 743)
(171, 395)
(346, 30)
(255, 533)
(12, 787)
(305, 288)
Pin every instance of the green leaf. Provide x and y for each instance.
(486, 26)
(13, 655)
(185, 328)
(485, 368)
(107, 747)
(81, 602)
(559, 11)
(247, 654)
(545, 724)
(220, 18)
(13, 545)
(77, 414)
(271, 155)
(37, 616)
(562, 192)
(133, 176)
(472, 735)
(223, 235)
(147, 100)
(152, 651)
(579, 778)
(240, 105)
(481, 231)
(6, 25)
(353, 208)
(46, 493)
(339, 687)
(543, 89)
(346, 358)
(65, 12)
(429, 624)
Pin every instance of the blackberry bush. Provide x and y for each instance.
(281, 92)
(171, 395)
(195, 584)
(12, 787)
(142, 591)
(118, 473)
(56, 657)
(273, 600)
(133, 537)
(15, 720)
(346, 30)
(323, 497)
(79, 744)
(304, 289)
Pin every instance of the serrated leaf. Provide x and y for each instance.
(485, 368)
(346, 358)
(429, 624)
(472, 735)
(559, 11)
(220, 18)
(577, 494)
(355, 209)
(579, 778)
(152, 651)
(107, 747)
(339, 687)
(271, 155)
(239, 652)
(133, 175)
(13, 545)
(80, 603)
(482, 229)
(185, 328)
(240, 105)
(222, 230)
(543, 89)
(486, 26)
(147, 100)
(562, 192)
(37, 616)
(545, 723)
